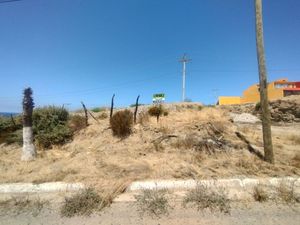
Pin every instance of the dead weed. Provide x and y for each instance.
(18, 205)
(153, 202)
(203, 197)
(260, 193)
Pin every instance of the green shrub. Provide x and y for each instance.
(11, 132)
(50, 126)
(187, 100)
(98, 109)
(121, 123)
(156, 110)
(14, 137)
(210, 106)
(77, 123)
(257, 106)
(5, 124)
(133, 105)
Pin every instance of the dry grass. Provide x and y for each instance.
(294, 138)
(296, 160)
(83, 203)
(143, 118)
(203, 197)
(187, 142)
(153, 202)
(18, 205)
(77, 123)
(286, 192)
(260, 193)
(98, 159)
(164, 129)
(103, 116)
(55, 177)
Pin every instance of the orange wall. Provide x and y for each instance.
(229, 100)
(251, 95)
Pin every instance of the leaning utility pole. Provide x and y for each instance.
(184, 60)
(263, 84)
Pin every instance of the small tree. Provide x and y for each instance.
(29, 152)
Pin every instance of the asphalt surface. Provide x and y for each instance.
(125, 213)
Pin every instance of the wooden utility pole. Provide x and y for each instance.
(263, 85)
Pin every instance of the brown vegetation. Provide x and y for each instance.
(121, 123)
(203, 197)
(153, 202)
(96, 158)
(82, 204)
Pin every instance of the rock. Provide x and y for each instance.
(286, 109)
(244, 118)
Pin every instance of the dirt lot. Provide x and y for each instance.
(189, 142)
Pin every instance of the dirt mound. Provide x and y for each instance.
(189, 142)
(286, 109)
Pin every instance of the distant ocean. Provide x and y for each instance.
(7, 114)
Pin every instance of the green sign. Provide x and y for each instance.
(158, 97)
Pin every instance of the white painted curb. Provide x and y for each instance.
(39, 188)
(228, 183)
(239, 184)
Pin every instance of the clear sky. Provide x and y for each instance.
(85, 50)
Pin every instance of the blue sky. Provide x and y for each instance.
(85, 50)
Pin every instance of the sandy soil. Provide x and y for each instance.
(127, 213)
(97, 158)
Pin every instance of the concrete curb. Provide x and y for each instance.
(39, 188)
(246, 183)
(236, 184)
(236, 189)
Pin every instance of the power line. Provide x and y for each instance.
(243, 71)
(7, 1)
(97, 90)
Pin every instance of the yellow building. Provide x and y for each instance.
(277, 89)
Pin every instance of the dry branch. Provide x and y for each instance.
(249, 145)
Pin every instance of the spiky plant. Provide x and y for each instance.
(29, 152)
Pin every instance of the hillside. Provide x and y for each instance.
(190, 142)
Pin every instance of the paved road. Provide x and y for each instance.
(122, 213)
